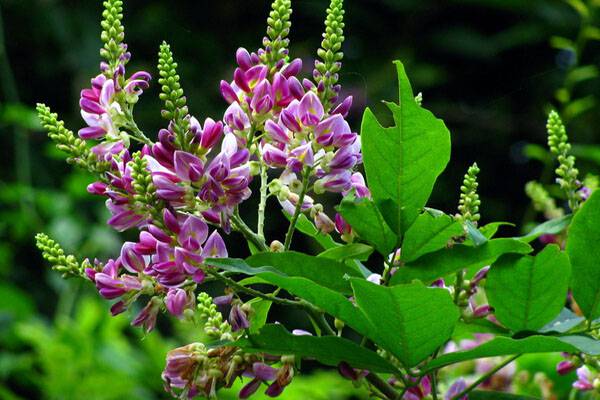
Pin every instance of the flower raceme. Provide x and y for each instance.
(287, 136)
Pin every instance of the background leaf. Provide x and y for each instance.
(402, 162)
(527, 292)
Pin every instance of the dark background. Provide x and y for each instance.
(487, 67)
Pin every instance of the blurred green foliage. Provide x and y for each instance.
(489, 68)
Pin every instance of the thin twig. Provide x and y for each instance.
(385, 388)
(297, 210)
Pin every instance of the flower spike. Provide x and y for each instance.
(278, 29)
(176, 109)
(67, 265)
(327, 69)
(78, 152)
(559, 145)
(469, 199)
(113, 34)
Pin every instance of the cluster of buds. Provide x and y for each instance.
(195, 370)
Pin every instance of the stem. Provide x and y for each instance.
(460, 276)
(264, 180)
(240, 226)
(319, 318)
(137, 132)
(252, 292)
(486, 376)
(297, 210)
(384, 387)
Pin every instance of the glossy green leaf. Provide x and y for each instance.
(358, 251)
(584, 253)
(503, 346)
(527, 292)
(368, 223)
(323, 271)
(427, 234)
(331, 301)
(329, 350)
(412, 320)
(402, 162)
(550, 227)
(446, 261)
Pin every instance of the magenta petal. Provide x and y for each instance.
(249, 389)
(187, 166)
(132, 261)
(263, 371)
(91, 132)
(214, 247)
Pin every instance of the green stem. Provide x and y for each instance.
(460, 276)
(385, 388)
(297, 210)
(255, 293)
(264, 180)
(485, 377)
(240, 226)
(137, 132)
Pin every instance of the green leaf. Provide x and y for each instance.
(503, 346)
(323, 271)
(412, 320)
(260, 308)
(550, 227)
(368, 223)
(329, 350)
(584, 253)
(402, 162)
(564, 322)
(427, 234)
(527, 292)
(305, 226)
(487, 395)
(356, 251)
(330, 301)
(446, 261)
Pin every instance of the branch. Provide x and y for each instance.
(384, 387)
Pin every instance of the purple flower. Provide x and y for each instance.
(310, 109)
(130, 258)
(214, 247)
(584, 379)
(323, 223)
(238, 319)
(565, 367)
(147, 317)
(455, 389)
(177, 301)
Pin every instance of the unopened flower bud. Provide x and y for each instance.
(276, 246)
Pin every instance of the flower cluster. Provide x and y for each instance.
(285, 124)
